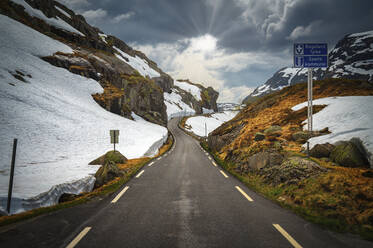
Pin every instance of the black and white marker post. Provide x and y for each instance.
(10, 189)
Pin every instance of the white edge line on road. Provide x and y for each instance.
(287, 236)
(244, 194)
(75, 241)
(120, 194)
(214, 164)
(222, 172)
(210, 158)
(151, 164)
(140, 173)
(159, 158)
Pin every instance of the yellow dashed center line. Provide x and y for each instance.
(222, 172)
(75, 241)
(138, 175)
(244, 194)
(120, 194)
(287, 236)
(214, 164)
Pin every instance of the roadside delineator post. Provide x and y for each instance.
(10, 189)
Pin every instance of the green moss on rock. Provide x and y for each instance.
(111, 156)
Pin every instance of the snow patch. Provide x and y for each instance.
(63, 12)
(57, 22)
(192, 89)
(175, 106)
(137, 63)
(212, 122)
(346, 117)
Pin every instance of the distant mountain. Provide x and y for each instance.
(228, 106)
(352, 58)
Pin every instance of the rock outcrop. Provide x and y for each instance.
(291, 171)
(106, 173)
(129, 87)
(111, 156)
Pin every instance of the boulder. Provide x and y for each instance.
(111, 156)
(349, 154)
(291, 171)
(263, 159)
(106, 173)
(273, 130)
(300, 136)
(259, 136)
(65, 197)
(321, 150)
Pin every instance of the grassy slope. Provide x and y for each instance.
(341, 199)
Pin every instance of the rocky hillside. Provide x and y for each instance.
(132, 83)
(264, 145)
(352, 58)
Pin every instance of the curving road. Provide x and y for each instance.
(180, 200)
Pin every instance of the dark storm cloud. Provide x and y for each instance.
(258, 28)
(156, 21)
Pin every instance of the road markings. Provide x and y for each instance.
(222, 172)
(210, 158)
(287, 236)
(151, 164)
(244, 194)
(120, 194)
(75, 241)
(138, 175)
(159, 158)
(214, 164)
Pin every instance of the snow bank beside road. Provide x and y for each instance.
(197, 123)
(60, 128)
(346, 117)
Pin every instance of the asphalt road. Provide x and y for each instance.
(180, 200)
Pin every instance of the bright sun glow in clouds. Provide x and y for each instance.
(206, 43)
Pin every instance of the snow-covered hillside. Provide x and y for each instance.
(57, 22)
(351, 58)
(346, 117)
(192, 89)
(197, 124)
(59, 126)
(175, 105)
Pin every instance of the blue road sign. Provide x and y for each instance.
(310, 55)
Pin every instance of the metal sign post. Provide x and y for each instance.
(310, 55)
(114, 137)
(310, 110)
(10, 189)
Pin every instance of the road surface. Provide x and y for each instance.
(180, 200)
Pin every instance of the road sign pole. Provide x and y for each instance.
(10, 189)
(309, 114)
(114, 141)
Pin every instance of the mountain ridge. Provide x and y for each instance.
(351, 58)
(133, 82)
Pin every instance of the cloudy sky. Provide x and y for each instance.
(232, 45)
